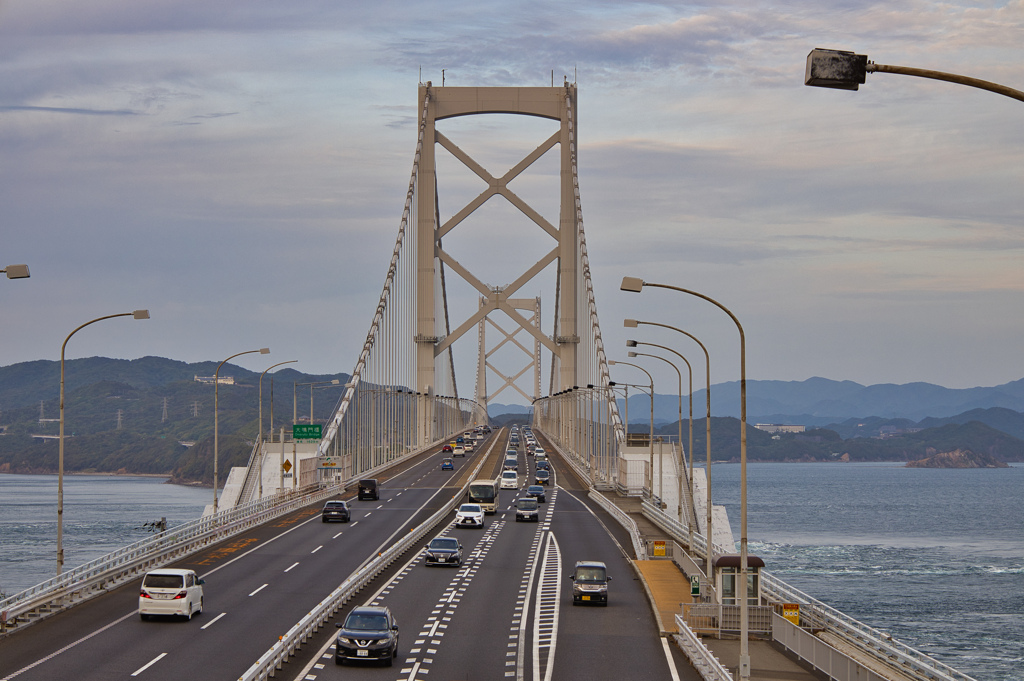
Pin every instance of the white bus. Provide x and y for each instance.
(485, 493)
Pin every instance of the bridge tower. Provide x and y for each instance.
(483, 397)
(433, 336)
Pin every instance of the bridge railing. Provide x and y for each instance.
(127, 563)
(815, 614)
(879, 645)
(272, 660)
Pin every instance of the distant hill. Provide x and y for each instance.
(826, 445)
(821, 401)
(100, 391)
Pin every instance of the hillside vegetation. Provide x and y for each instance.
(149, 440)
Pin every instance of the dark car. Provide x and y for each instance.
(543, 466)
(368, 633)
(368, 489)
(335, 510)
(590, 582)
(447, 464)
(443, 551)
(528, 509)
(542, 477)
(536, 491)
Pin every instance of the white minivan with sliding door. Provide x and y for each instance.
(170, 591)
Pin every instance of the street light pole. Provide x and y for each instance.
(137, 314)
(636, 285)
(259, 439)
(633, 344)
(651, 436)
(682, 459)
(216, 416)
(709, 544)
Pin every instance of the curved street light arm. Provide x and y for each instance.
(949, 78)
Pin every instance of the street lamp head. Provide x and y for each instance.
(611, 362)
(141, 314)
(631, 354)
(336, 382)
(838, 69)
(264, 351)
(16, 271)
(634, 284)
(629, 323)
(631, 344)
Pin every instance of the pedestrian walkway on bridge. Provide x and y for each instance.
(668, 588)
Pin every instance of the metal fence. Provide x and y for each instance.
(125, 564)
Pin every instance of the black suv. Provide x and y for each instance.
(369, 633)
(335, 510)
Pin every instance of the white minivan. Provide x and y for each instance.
(509, 480)
(170, 591)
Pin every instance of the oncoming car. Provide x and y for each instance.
(469, 515)
(542, 477)
(368, 633)
(590, 582)
(443, 551)
(509, 480)
(527, 509)
(537, 492)
(171, 591)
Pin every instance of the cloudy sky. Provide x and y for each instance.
(240, 168)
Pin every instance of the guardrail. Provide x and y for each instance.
(816, 614)
(880, 646)
(118, 567)
(819, 654)
(107, 572)
(639, 549)
(274, 659)
(702, 659)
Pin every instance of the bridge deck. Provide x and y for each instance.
(669, 587)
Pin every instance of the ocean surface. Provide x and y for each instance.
(933, 557)
(101, 514)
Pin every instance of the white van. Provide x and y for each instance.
(510, 480)
(171, 592)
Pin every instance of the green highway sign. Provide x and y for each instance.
(305, 431)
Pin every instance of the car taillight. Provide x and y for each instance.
(143, 594)
(180, 594)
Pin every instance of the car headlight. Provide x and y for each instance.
(342, 639)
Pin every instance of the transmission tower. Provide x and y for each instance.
(195, 408)
(120, 412)
(164, 417)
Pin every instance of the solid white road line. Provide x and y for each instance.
(149, 664)
(671, 660)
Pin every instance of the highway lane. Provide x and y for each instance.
(508, 612)
(263, 582)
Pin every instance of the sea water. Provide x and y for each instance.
(101, 514)
(934, 557)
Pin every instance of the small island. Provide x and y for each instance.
(958, 458)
